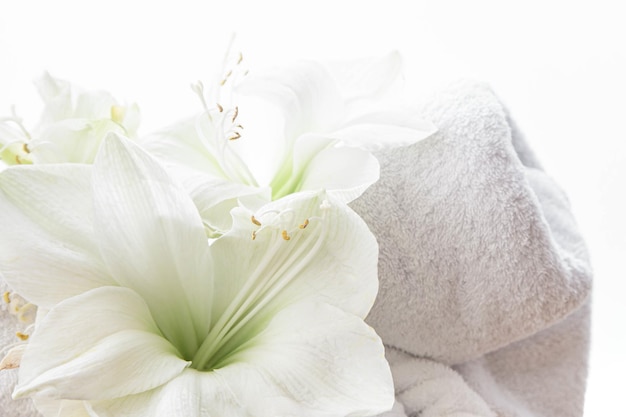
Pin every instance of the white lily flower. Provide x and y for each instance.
(333, 121)
(147, 319)
(71, 128)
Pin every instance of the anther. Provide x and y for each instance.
(21, 336)
(285, 235)
(25, 148)
(304, 224)
(220, 108)
(117, 114)
(240, 58)
(235, 136)
(253, 234)
(236, 112)
(255, 221)
(7, 297)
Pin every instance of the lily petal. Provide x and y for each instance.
(48, 250)
(72, 140)
(61, 408)
(306, 93)
(311, 360)
(345, 172)
(215, 198)
(123, 354)
(152, 239)
(368, 77)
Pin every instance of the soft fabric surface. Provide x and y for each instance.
(485, 282)
(484, 279)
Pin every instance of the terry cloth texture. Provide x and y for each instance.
(484, 278)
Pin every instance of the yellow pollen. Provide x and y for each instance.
(255, 221)
(236, 112)
(220, 108)
(235, 136)
(7, 297)
(253, 235)
(21, 336)
(117, 114)
(305, 224)
(285, 235)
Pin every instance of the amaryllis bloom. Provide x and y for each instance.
(145, 318)
(330, 121)
(72, 125)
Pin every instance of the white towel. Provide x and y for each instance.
(485, 280)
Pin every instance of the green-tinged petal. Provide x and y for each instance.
(299, 248)
(116, 349)
(152, 239)
(306, 93)
(323, 164)
(48, 249)
(311, 360)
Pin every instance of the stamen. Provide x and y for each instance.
(285, 235)
(304, 224)
(220, 108)
(25, 148)
(255, 221)
(235, 136)
(253, 234)
(22, 336)
(240, 58)
(7, 297)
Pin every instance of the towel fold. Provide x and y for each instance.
(482, 268)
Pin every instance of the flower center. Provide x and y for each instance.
(292, 244)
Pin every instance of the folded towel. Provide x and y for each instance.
(485, 280)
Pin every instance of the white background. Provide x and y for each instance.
(559, 67)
